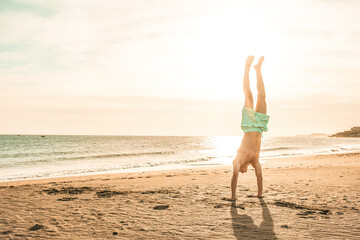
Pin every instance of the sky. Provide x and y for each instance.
(175, 67)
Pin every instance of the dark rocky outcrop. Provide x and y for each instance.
(354, 132)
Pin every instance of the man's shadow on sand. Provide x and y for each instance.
(244, 227)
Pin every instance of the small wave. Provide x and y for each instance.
(31, 162)
(34, 154)
(149, 165)
(276, 149)
(350, 148)
(282, 155)
(121, 155)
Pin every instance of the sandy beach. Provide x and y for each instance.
(307, 197)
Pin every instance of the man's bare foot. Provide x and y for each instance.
(249, 61)
(258, 65)
(229, 199)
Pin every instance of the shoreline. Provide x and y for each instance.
(272, 163)
(155, 155)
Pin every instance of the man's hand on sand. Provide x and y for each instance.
(229, 199)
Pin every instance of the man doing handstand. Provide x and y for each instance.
(253, 124)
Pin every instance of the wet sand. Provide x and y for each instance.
(308, 197)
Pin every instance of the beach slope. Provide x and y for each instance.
(308, 197)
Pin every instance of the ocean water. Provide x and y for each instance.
(29, 157)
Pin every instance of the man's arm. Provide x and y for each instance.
(258, 174)
(234, 179)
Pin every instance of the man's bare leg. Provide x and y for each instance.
(249, 101)
(261, 108)
(261, 102)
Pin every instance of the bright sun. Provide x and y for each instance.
(215, 56)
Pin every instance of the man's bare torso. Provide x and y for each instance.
(249, 150)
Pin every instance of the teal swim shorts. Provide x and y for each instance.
(254, 121)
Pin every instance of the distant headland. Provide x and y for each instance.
(313, 135)
(354, 132)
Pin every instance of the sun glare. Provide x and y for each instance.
(225, 148)
(215, 56)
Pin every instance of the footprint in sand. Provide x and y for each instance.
(254, 196)
(285, 226)
(161, 207)
(67, 199)
(36, 227)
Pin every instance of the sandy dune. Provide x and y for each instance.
(312, 197)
